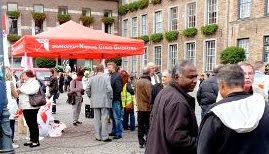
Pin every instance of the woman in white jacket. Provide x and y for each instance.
(29, 87)
(12, 105)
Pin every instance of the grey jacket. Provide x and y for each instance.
(100, 91)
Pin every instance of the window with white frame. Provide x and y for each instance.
(145, 57)
(211, 11)
(158, 22)
(172, 55)
(210, 52)
(266, 49)
(173, 18)
(134, 27)
(244, 8)
(125, 63)
(12, 23)
(244, 43)
(125, 28)
(134, 64)
(190, 52)
(38, 25)
(108, 27)
(191, 15)
(62, 10)
(86, 12)
(158, 56)
(144, 24)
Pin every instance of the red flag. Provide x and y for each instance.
(4, 24)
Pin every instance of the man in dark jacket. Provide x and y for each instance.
(142, 92)
(5, 130)
(238, 124)
(173, 125)
(116, 84)
(208, 92)
(53, 89)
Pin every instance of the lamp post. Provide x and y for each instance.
(5, 130)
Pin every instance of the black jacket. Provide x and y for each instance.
(53, 86)
(155, 90)
(208, 91)
(237, 124)
(173, 125)
(116, 84)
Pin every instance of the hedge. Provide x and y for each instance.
(117, 61)
(232, 55)
(45, 63)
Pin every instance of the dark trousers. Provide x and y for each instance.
(12, 126)
(127, 114)
(143, 125)
(30, 116)
(61, 88)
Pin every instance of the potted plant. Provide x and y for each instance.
(155, 38)
(108, 20)
(190, 32)
(171, 35)
(39, 17)
(13, 38)
(86, 20)
(232, 55)
(13, 14)
(143, 4)
(133, 6)
(123, 9)
(154, 2)
(209, 29)
(62, 18)
(145, 38)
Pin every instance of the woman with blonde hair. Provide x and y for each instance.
(12, 105)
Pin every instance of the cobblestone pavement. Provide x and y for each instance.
(80, 139)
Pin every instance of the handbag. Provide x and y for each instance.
(71, 96)
(38, 99)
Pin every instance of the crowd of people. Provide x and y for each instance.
(233, 100)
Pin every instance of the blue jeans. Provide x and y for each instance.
(126, 116)
(6, 133)
(117, 116)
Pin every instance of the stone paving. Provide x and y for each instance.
(81, 139)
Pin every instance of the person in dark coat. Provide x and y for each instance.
(166, 78)
(53, 89)
(116, 84)
(173, 125)
(208, 92)
(61, 83)
(238, 124)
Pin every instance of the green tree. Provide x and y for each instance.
(232, 55)
(117, 61)
(45, 63)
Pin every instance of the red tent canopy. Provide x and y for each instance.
(74, 41)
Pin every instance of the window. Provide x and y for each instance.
(134, 27)
(172, 55)
(173, 18)
(158, 56)
(145, 57)
(244, 8)
(125, 63)
(266, 49)
(190, 52)
(158, 22)
(210, 51)
(38, 25)
(125, 28)
(62, 10)
(108, 28)
(38, 8)
(244, 43)
(144, 24)
(191, 15)
(86, 12)
(134, 64)
(12, 23)
(211, 11)
(12, 6)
